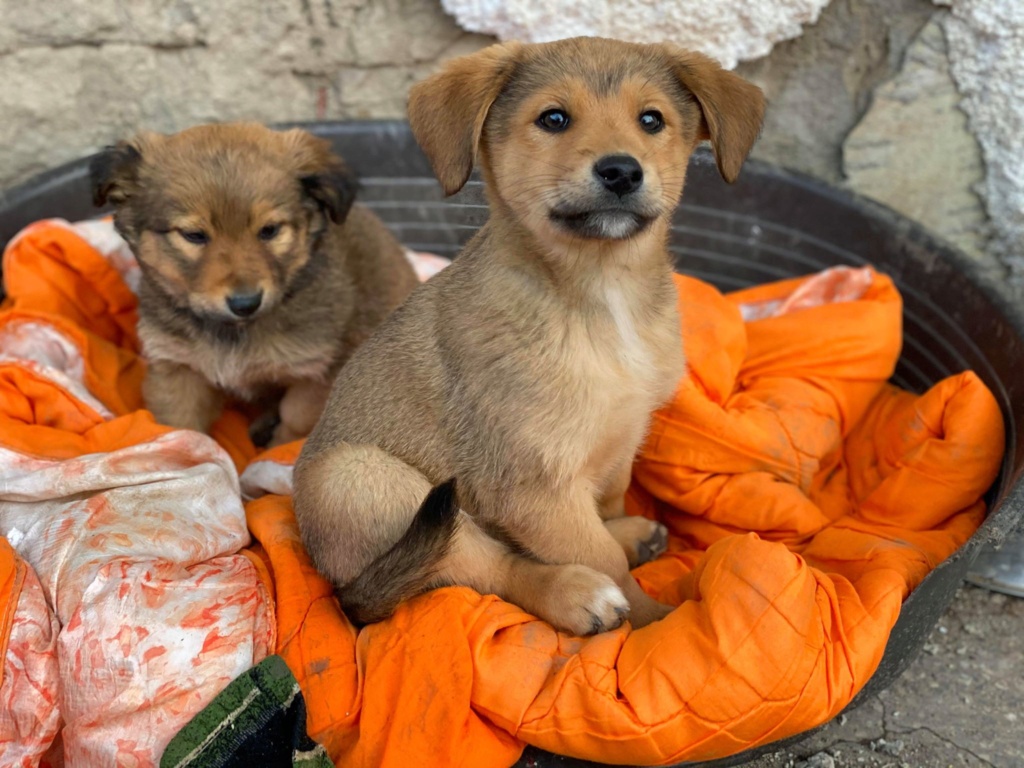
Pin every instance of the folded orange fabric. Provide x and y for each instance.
(805, 497)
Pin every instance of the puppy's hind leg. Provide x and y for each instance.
(356, 506)
(369, 530)
(572, 598)
(641, 539)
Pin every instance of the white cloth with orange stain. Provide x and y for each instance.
(143, 609)
(137, 607)
(29, 711)
(830, 286)
(134, 550)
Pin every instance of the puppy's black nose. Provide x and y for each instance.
(620, 174)
(244, 304)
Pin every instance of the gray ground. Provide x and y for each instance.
(961, 703)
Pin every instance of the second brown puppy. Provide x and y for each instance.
(529, 369)
(260, 276)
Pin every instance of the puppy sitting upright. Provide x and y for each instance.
(259, 275)
(528, 370)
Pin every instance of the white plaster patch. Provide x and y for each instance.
(727, 30)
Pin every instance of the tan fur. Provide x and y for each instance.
(276, 210)
(528, 370)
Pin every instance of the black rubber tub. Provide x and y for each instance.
(771, 224)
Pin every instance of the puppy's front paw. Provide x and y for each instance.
(641, 539)
(584, 602)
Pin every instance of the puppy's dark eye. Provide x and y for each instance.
(195, 236)
(553, 121)
(652, 121)
(269, 232)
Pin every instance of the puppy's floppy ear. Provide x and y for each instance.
(447, 111)
(324, 176)
(334, 189)
(732, 108)
(113, 173)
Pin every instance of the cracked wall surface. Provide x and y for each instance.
(914, 141)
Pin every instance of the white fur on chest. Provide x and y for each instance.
(631, 349)
(621, 358)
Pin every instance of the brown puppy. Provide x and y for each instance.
(260, 276)
(528, 369)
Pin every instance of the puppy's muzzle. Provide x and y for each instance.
(615, 207)
(620, 174)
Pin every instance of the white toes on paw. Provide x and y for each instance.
(585, 602)
(608, 609)
(608, 598)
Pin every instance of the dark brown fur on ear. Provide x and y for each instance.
(323, 175)
(334, 190)
(733, 109)
(113, 173)
(447, 110)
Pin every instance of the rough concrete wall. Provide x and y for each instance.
(820, 84)
(77, 74)
(913, 151)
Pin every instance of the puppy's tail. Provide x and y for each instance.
(407, 568)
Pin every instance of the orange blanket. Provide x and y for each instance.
(805, 496)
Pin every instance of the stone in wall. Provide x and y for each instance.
(819, 85)
(913, 150)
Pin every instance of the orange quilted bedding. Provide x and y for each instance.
(805, 496)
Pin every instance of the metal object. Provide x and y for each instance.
(1001, 568)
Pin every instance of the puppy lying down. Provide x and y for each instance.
(527, 370)
(259, 275)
